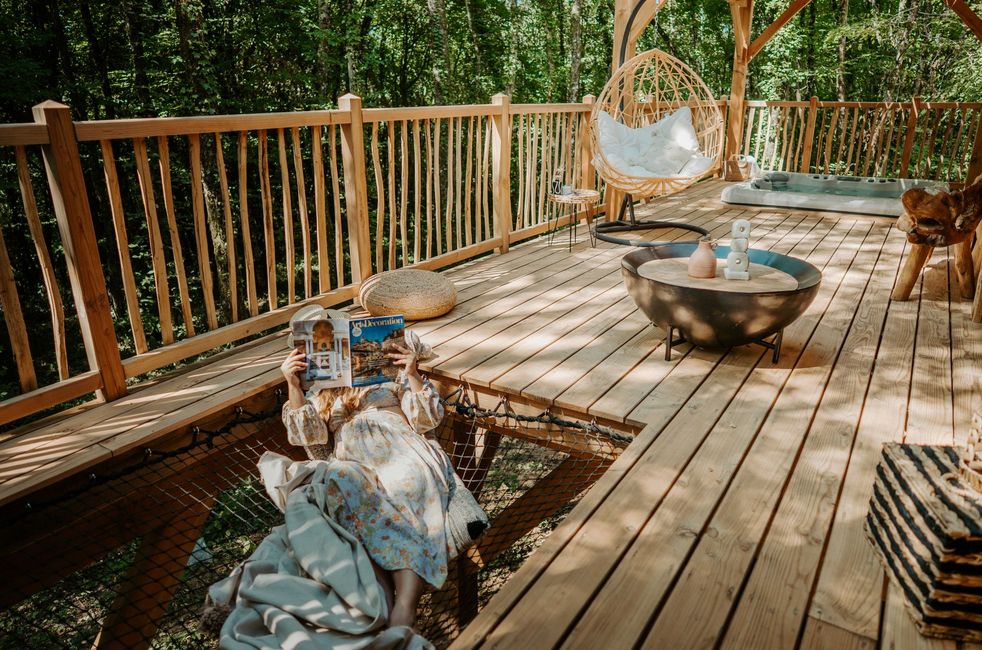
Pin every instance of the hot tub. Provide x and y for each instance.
(862, 195)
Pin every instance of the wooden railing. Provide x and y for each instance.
(547, 137)
(181, 235)
(916, 139)
(140, 243)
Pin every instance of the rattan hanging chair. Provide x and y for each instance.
(641, 98)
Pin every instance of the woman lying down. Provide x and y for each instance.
(366, 531)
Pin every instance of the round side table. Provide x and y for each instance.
(568, 204)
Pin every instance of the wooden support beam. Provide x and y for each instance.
(642, 15)
(70, 200)
(969, 17)
(151, 581)
(742, 15)
(773, 28)
(631, 17)
(538, 503)
(355, 189)
(623, 47)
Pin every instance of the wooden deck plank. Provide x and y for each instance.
(555, 367)
(668, 536)
(491, 332)
(704, 389)
(512, 358)
(929, 418)
(966, 370)
(557, 259)
(930, 421)
(713, 574)
(581, 568)
(517, 264)
(825, 636)
(772, 606)
(849, 587)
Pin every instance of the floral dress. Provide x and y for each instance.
(394, 482)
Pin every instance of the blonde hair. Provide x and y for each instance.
(351, 399)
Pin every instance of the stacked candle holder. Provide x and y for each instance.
(738, 262)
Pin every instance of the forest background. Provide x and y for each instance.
(129, 58)
(143, 58)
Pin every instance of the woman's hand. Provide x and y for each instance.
(292, 366)
(408, 359)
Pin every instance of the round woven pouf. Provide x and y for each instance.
(415, 293)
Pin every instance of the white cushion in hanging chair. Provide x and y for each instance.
(663, 149)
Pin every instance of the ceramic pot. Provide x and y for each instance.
(702, 263)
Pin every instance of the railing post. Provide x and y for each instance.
(587, 174)
(975, 162)
(501, 173)
(356, 188)
(71, 206)
(806, 153)
(909, 137)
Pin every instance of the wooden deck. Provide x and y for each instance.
(735, 517)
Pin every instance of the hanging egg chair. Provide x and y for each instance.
(655, 130)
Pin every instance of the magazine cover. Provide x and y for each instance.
(326, 342)
(372, 339)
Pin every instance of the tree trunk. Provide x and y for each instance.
(575, 49)
(514, 20)
(134, 32)
(478, 66)
(69, 78)
(441, 64)
(810, 59)
(325, 55)
(840, 71)
(906, 33)
(98, 59)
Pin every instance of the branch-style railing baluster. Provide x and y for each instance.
(916, 139)
(218, 228)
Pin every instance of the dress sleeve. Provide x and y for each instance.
(423, 408)
(304, 426)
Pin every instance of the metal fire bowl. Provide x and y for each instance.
(717, 318)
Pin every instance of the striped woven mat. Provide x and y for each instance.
(926, 526)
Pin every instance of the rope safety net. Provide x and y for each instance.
(127, 557)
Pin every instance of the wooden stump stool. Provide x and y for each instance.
(933, 219)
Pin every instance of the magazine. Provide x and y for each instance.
(343, 351)
(372, 340)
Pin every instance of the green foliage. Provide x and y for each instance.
(133, 58)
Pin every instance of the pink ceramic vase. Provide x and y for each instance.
(702, 263)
